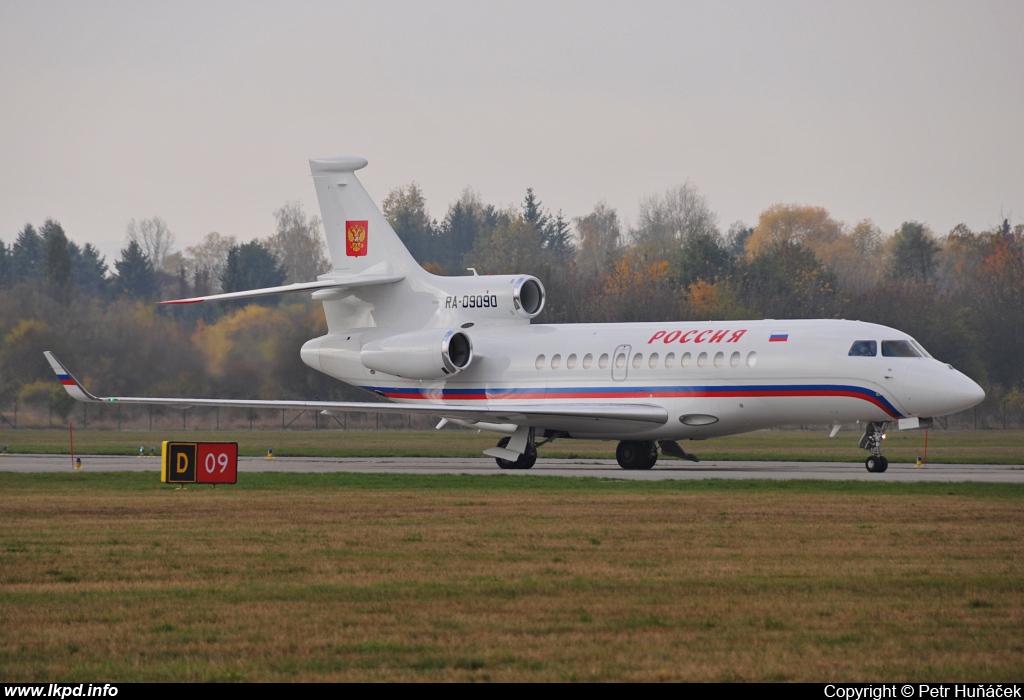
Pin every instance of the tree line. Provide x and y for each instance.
(961, 294)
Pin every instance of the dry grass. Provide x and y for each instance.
(494, 578)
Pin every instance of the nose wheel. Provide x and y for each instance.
(876, 464)
(874, 433)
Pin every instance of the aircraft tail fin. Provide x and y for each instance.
(360, 240)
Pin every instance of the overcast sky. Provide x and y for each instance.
(205, 113)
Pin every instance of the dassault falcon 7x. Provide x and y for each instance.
(464, 349)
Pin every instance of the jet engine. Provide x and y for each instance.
(528, 296)
(429, 354)
(492, 297)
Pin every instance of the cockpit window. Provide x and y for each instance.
(864, 348)
(920, 349)
(898, 348)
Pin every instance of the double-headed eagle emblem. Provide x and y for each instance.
(355, 238)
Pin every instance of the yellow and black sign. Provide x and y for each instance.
(179, 463)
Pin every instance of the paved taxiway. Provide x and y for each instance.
(665, 469)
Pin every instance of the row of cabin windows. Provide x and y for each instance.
(654, 360)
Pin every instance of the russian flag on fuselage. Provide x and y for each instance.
(778, 337)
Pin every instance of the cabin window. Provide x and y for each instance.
(898, 348)
(652, 362)
(588, 360)
(620, 360)
(670, 359)
(570, 363)
(734, 360)
(556, 361)
(603, 362)
(638, 359)
(684, 361)
(751, 359)
(719, 359)
(702, 360)
(864, 348)
(539, 364)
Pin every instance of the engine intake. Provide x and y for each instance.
(528, 296)
(429, 354)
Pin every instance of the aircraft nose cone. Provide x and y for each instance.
(935, 389)
(973, 394)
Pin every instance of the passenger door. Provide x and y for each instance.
(620, 363)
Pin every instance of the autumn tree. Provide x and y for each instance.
(406, 210)
(599, 237)
(252, 266)
(787, 281)
(153, 238)
(204, 262)
(27, 256)
(554, 230)
(668, 219)
(792, 224)
(998, 308)
(298, 244)
(466, 220)
(636, 289)
(57, 273)
(512, 247)
(135, 275)
(856, 257)
(912, 253)
(736, 237)
(6, 272)
(89, 269)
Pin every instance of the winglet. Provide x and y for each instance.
(71, 385)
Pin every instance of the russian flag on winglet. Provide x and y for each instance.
(778, 338)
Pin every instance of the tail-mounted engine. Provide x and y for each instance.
(494, 297)
(429, 354)
(527, 296)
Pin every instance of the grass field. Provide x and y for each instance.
(113, 577)
(963, 447)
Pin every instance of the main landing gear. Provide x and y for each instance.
(643, 454)
(525, 460)
(630, 454)
(523, 454)
(874, 433)
(636, 454)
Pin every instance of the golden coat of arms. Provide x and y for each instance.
(356, 233)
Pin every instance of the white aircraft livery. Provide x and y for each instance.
(465, 349)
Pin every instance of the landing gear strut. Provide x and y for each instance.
(874, 433)
(636, 454)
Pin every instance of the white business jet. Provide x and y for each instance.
(464, 349)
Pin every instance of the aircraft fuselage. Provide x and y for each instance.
(714, 378)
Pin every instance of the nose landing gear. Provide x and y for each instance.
(874, 433)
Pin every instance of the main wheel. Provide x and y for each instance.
(876, 465)
(636, 454)
(525, 461)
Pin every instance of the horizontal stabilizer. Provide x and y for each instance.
(570, 417)
(339, 283)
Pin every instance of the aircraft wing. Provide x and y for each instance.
(324, 285)
(572, 417)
